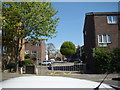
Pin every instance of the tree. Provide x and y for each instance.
(50, 48)
(33, 20)
(102, 59)
(68, 49)
(78, 53)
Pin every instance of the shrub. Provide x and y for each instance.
(11, 67)
(28, 62)
(27, 56)
(102, 60)
(115, 64)
(58, 59)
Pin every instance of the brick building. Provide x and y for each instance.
(101, 29)
(36, 52)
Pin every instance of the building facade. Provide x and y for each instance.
(36, 52)
(101, 29)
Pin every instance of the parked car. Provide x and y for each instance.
(74, 60)
(66, 60)
(52, 60)
(46, 62)
(78, 63)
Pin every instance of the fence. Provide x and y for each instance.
(58, 67)
(68, 67)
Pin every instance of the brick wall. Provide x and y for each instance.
(102, 27)
(95, 24)
(40, 49)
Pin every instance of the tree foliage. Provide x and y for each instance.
(29, 19)
(68, 49)
(33, 20)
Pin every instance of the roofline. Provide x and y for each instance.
(103, 13)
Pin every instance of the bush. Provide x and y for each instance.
(116, 60)
(28, 62)
(27, 56)
(68, 49)
(11, 67)
(58, 59)
(102, 60)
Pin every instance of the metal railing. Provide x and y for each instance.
(61, 67)
(67, 67)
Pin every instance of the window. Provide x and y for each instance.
(34, 52)
(109, 39)
(38, 44)
(4, 49)
(112, 19)
(104, 40)
(27, 51)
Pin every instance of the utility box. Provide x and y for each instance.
(30, 70)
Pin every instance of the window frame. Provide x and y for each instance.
(32, 52)
(108, 38)
(27, 51)
(114, 19)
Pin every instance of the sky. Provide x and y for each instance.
(72, 16)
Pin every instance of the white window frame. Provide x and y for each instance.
(27, 51)
(102, 43)
(113, 19)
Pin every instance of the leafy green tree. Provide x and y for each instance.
(33, 20)
(102, 59)
(68, 49)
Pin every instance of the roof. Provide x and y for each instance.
(103, 13)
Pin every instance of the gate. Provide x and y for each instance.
(61, 67)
